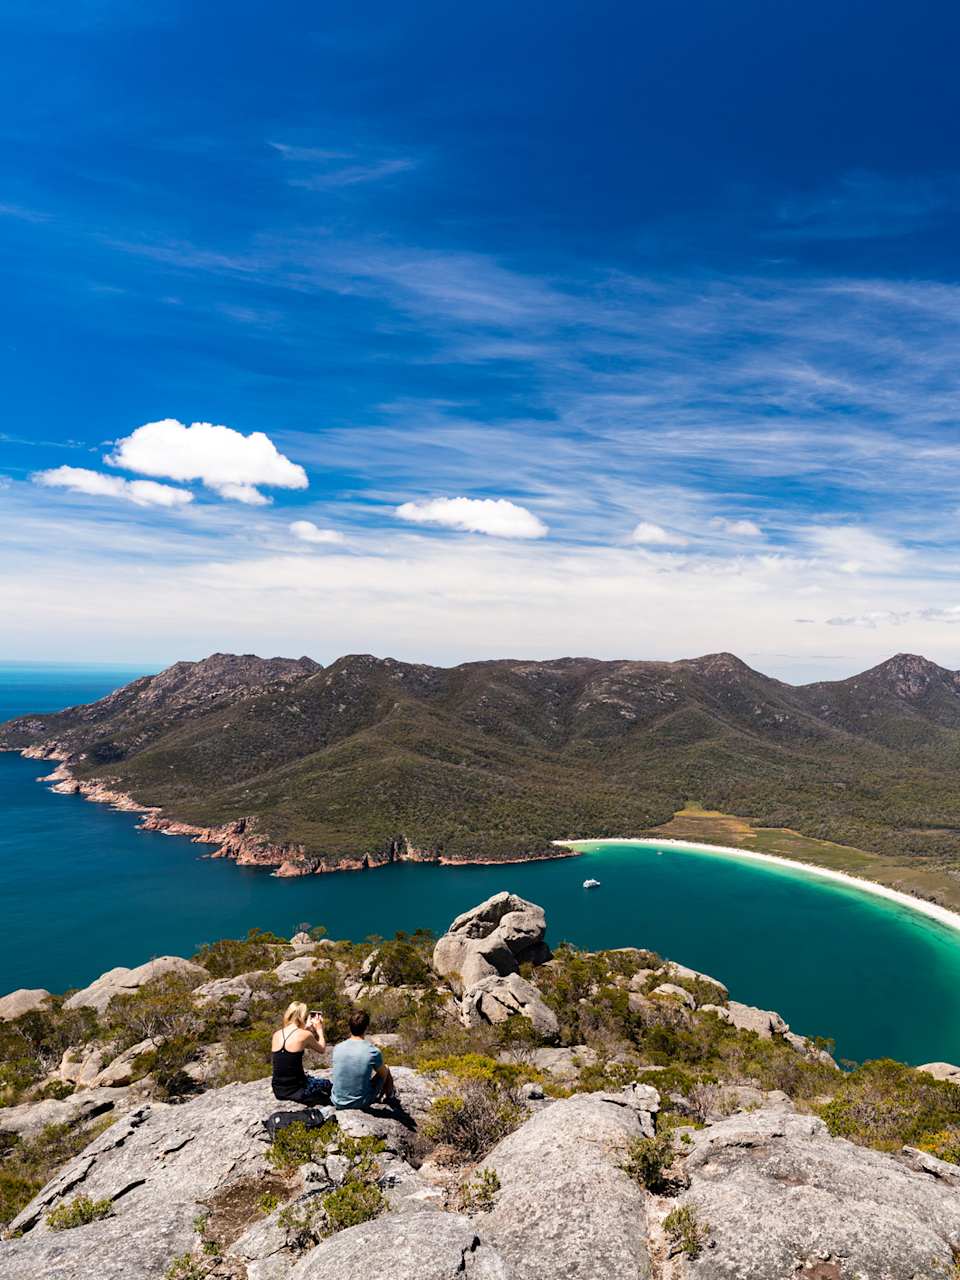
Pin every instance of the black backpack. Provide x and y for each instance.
(309, 1117)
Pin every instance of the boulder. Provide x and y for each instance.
(670, 991)
(681, 971)
(157, 1164)
(121, 981)
(491, 940)
(809, 1050)
(81, 1065)
(745, 1017)
(293, 970)
(301, 939)
(564, 1064)
(496, 999)
(565, 1209)
(427, 1245)
(123, 1068)
(371, 969)
(24, 1000)
(782, 1198)
(942, 1071)
(28, 1119)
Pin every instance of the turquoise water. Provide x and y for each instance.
(83, 890)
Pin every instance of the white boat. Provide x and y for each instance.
(591, 884)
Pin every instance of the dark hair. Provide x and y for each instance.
(358, 1022)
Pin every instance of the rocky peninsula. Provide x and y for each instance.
(566, 1115)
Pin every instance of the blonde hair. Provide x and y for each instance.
(296, 1012)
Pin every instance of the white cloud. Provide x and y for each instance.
(855, 549)
(226, 461)
(737, 528)
(144, 493)
(655, 535)
(494, 516)
(307, 531)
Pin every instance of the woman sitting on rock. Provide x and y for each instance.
(300, 1031)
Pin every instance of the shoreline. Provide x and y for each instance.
(243, 844)
(932, 910)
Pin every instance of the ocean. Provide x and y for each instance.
(84, 890)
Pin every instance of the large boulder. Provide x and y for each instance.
(491, 940)
(29, 1119)
(745, 1017)
(123, 1069)
(428, 1245)
(121, 981)
(156, 1165)
(494, 1000)
(565, 1209)
(24, 1000)
(942, 1071)
(781, 1198)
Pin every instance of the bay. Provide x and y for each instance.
(84, 890)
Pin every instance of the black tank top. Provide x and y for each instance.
(289, 1076)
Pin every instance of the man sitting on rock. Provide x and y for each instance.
(359, 1075)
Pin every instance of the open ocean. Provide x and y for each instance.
(84, 890)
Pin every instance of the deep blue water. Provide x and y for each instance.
(84, 890)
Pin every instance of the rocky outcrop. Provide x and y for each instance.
(122, 981)
(565, 1209)
(25, 1000)
(942, 1071)
(423, 1246)
(781, 1198)
(29, 1119)
(765, 1022)
(491, 940)
(494, 1000)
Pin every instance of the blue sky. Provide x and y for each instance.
(531, 329)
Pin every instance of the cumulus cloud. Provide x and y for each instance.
(307, 531)
(494, 516)
(144, 493)
(737, 528)
(226, 461)
(654, 535)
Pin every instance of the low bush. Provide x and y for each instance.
(405, 960)
(480, 1193)
(647, 1159)
(885, 1104)
(944, 1144)
(232, 956)
(355, 1202)
(685, 1231)
(78, 1212)
(28, 1164)
(296, 1144)
(473, 1118)
(161, 1009)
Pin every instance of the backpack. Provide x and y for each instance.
(309, 1117)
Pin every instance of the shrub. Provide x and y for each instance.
(473, 1119)
(684, 1231)
(478, 1195)
(32, 1045)
(647, 1159)
(78, 1213)
(186, 1267)
(296, 1144)
(231, 956)
(28, 1164)
(945, 1144)
(885, 1104)
(56, 1089)
(404, 961)
(269, 1201)
(159, 1009)
(246, 1054)
(355, 1202)
(321, 990)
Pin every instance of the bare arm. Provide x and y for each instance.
(315, 1030)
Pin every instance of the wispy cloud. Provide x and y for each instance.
(320, 169)
(863, 205)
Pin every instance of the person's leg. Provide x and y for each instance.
(317, 1090)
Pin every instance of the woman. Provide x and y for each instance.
(300, 1031)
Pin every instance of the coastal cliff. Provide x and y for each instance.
(564, 1115)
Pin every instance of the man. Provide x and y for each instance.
(359, 1075)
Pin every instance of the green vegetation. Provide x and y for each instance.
(32, 1045)
(351, 1204)
(885, 1104)
(296, 1144)
(685, 1231)
(480, 1193)
(647, 1159)
(480, 1105)
(186, 1267)
(78, 1212)
(492, 759)
(232, 956)
(26, 1164)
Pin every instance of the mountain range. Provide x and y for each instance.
(370, 758)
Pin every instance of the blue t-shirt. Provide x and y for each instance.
(354, 1062)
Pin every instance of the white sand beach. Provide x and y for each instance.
(943, 915)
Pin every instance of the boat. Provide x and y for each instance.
(591, 884)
